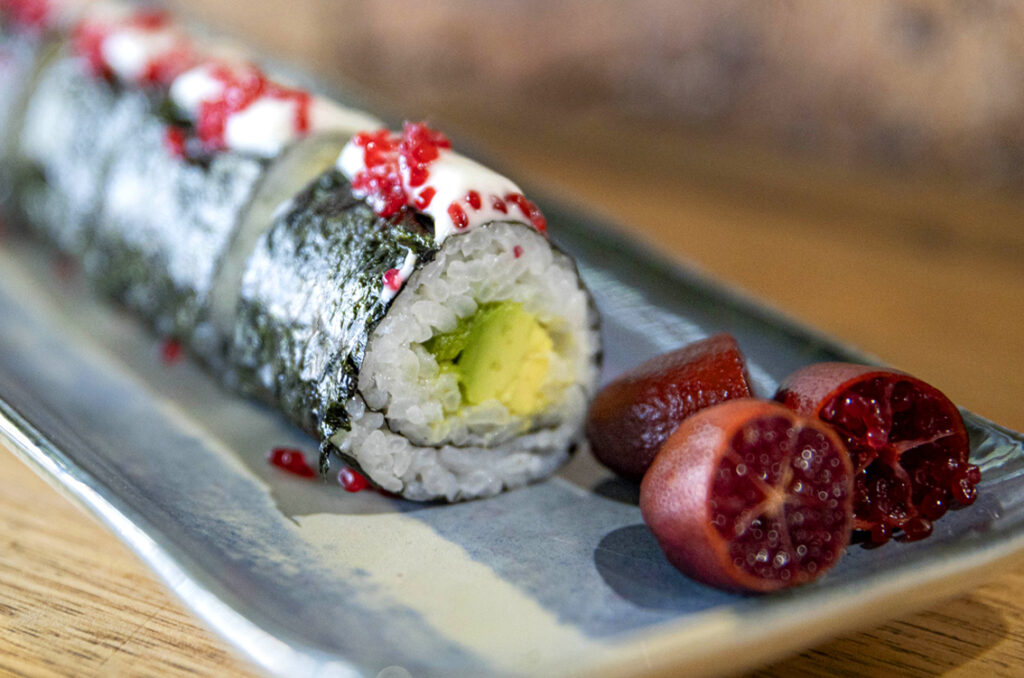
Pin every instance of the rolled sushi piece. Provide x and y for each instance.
(409, 311)
(28, 31)
(76, 114)
(218, 142)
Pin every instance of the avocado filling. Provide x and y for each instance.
(501, 353)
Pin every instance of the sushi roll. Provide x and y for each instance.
(409, 311)
(199, 137)
(28, 29)
(396, 300)
(75, 115)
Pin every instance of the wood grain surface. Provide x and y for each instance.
(924, 273)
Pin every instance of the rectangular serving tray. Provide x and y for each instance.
(557, 578)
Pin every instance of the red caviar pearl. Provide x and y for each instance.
(174, 141)
(458, 216)
(352, 480)
(499, 204)
(529, 210)
(517, 251)
(392, 280)
(473, 198)
(291, 460)
(425, 197)
(170, 351)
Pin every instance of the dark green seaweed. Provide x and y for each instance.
(163, 229)
(311, 297)
(72, 124)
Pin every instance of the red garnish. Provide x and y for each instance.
(174, 141)
(633, 415)
(291, 460)
(473, 199)
(385, 155)
(392, 279)
(425, 197)
(380, 182)
(499, 205)
(458, 216)
(529, 210)
(162, 70)
(170, 351)
(907, 441)
(517, 251)
(87, 41)
(748, 495)
(241, 88)
(419, 147)
(352, 480)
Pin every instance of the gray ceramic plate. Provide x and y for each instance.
(557, 578)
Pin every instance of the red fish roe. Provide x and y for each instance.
(174, 141)
(241, 88)
(381, 180)
(517, 251)
(90, 34)
(352, 480)
(419, 147)
(458, 216)
(170, 351)
(529, 210)
(392, 279)
(292, 461)
(425, 197)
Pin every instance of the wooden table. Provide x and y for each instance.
(929, 277)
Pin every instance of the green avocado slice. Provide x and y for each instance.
(501, 353)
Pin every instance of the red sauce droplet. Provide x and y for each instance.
(529, 210)
(392, 280)
(170, 351)
(499, 205)
(473, 198)
(517, 251)
(174, 141)
(291, 460)
(458, 216)
(352, 480)
(425, 197)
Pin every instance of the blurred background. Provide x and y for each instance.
(859, 165)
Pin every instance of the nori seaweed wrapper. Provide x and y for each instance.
(164, 227)
(72, 124)
(311, 297)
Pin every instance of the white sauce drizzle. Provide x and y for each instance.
(193, 87)
(452, 176)
(262, 128)
(268, 124)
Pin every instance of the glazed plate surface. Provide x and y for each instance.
(558, 578)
